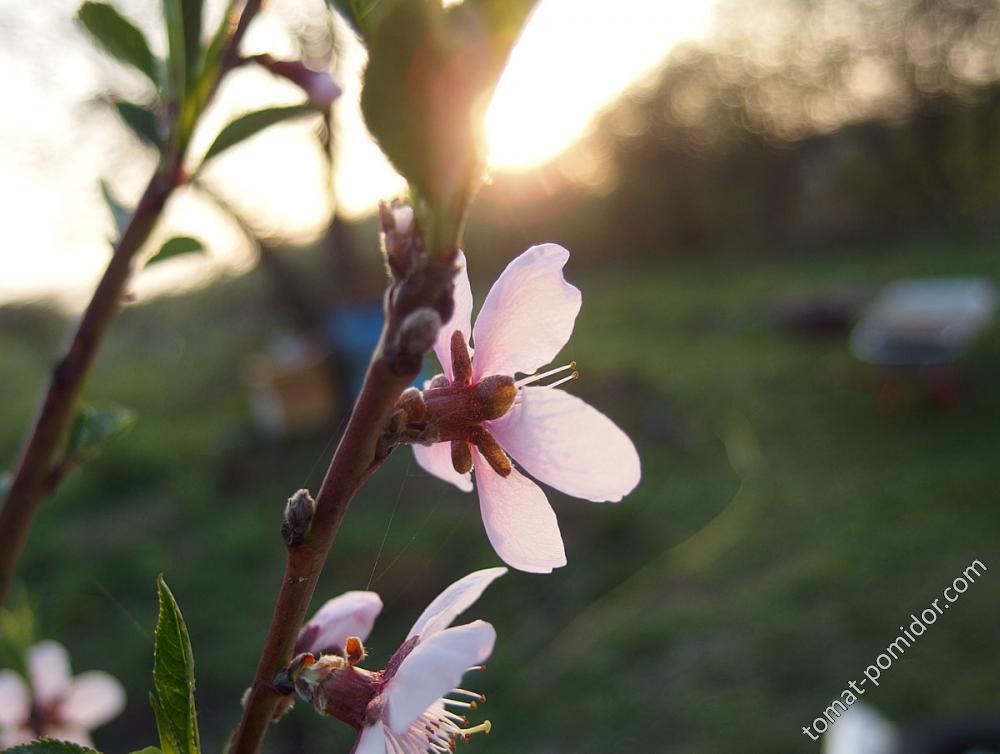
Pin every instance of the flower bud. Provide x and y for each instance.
(319, 86)
(418, 331)
(299, 512)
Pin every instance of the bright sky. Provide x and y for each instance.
(57, 140)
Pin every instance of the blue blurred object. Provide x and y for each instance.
(352, 333)
(924, 321)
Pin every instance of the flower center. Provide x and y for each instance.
(439, 728)
(455, 410)
(334, 686)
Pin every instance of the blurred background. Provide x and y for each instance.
(784, 217)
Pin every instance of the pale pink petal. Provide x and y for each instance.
(567, 443)
(16, 736)
(461, 319)
(528, 315)
(15, 701)
(92, 700)
(371, 740)
(433, 669)
(48, 669)
(72, 733)
(350, 614)
(453, 601)
(436, 459)
(519, 521)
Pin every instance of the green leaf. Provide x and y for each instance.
(173, 16)
(249, 124)
(148, 750)
(93, 427)
(192, 11)
(175, 247)
(430, 75)
(120, 37)
(141, 120)
(359, 13)
(49, 746)
(119, 212)
(168, 742)
(173, 677)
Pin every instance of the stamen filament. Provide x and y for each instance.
(470, 694)
(484, 727)
(532, 378)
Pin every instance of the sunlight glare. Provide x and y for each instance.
(574, 57)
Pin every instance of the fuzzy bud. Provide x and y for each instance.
(299, 512)
(418, 331)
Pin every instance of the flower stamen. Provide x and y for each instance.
(533, 378)
(484, 727)
(471, 694)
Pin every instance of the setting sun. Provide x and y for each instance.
(574, 57)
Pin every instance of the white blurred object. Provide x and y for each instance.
(924, 321)
(861, 730)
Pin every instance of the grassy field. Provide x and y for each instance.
(785, 526)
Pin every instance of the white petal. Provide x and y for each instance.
(436, 459)
(519, 521)
(48, 669)
(350, 614)
(371, 740)
(453, 601)
(434, 668)
(92, 700)
(567, 443)
(861, 730)
(72, 733)
(15, 701)
(528, 315)
(461, 319)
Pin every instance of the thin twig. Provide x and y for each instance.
(421, 285)
(37, 473)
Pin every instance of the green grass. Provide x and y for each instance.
(784, 527)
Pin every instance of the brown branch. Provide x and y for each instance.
(37, 471)
(421, 292)
(354, 461)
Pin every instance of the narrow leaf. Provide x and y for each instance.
(93, 427)
(120, 37)
(173, 673)
(141, 120)
(49, 746)
(192, 11)
(247, 125)
(173, 15)
(175, 247)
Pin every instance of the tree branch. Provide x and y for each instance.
(421, 292)
(35, 476)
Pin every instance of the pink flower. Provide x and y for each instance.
(57, 706)
(402, 709)
(478, 416)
